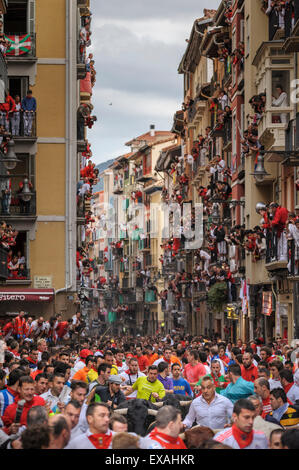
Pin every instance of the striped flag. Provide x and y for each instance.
(19, 45)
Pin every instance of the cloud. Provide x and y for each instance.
(143, 9)
(137, 49)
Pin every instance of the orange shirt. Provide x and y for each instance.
(81, 374)
(152, 358)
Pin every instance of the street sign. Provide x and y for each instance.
(42, 282)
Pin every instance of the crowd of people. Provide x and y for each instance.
(59, 394)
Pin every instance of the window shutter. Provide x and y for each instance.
(31, 17)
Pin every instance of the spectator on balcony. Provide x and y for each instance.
(28, 106)
(278, 223)
(281, 101)
(293, 234)
(15, 117)
(22, 272)
(6, 109)
(13, 267)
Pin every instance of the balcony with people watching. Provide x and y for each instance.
(272, 107)
(13, 248)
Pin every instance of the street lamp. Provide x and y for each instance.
(26, 194)
(260, 172)
(9, 159)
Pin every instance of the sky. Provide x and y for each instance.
(137, 47)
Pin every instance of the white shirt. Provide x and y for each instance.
(36, 329)
(281, 101)
(293, 393)
(214, 415)
(52, 399)
(130, 379)
(274, 384)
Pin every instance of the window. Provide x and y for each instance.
(15, 20)
(18, 86)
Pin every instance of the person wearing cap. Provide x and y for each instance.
(87, 374)
(80, 361)
(110, 394)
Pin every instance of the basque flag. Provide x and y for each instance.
(19, 45)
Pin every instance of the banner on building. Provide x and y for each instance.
(19, 45)
(267, 303)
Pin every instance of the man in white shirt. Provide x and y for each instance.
(98, 435)
(210, 409)
(52, 396)
(72, 412)
(37, 328)
(287, 381)
(130, 376)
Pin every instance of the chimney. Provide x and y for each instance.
(152, 130)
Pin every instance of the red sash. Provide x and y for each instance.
(166, 441)
(244, 439)
(100, 441)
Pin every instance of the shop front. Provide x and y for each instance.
(34, 302)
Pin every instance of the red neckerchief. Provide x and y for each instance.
(165, 360)
(287, 387)
(100, 441)
(244, 439)
(171, 442)
(31, 360)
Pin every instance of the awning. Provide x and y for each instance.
(26, 295)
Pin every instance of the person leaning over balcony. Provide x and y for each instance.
(5, 109)
(29, 108)
(278, 222)
(15, 117)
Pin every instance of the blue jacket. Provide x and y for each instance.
(28, 104)
(241, 389)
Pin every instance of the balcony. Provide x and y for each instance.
(83, 6)
(81, 146)
(272, 127)
(27, 129)
(144, 175)
(81, 65)
(15, 279)
(3, 264)
(227, 137)
(196, 111)
(292, 33)
(22, 49)
(150, 296)
(145, 244)
(19, 209)
(118, 187)
(274, 262)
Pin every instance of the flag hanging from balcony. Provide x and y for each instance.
(19, 45)
(267, 303)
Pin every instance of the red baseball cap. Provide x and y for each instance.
(129, 355)
(85, 352)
